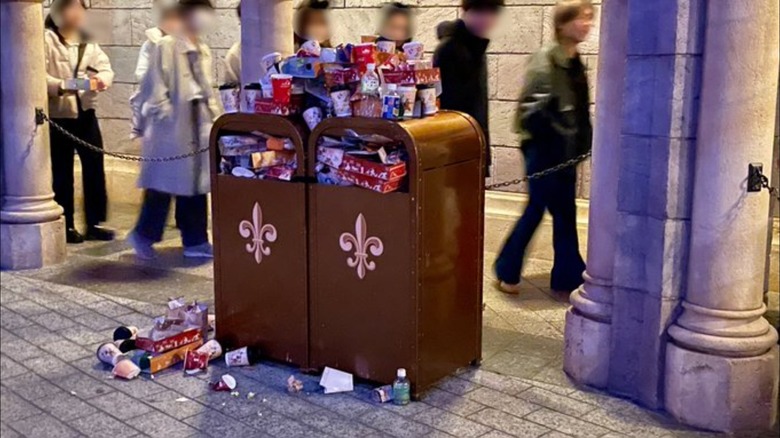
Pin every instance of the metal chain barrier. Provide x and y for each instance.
(773, 191)
(566, 164)
(41, 117)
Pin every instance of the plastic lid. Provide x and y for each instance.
(402, 373)
(392, 87)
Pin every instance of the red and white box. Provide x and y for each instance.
(177, 340)
(367, 182)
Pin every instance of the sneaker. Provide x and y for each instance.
(510, 289)
(202, 251)
(73, 236)
(100, 233)
(143, 247)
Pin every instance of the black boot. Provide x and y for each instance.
(72, 235)
(100, 233)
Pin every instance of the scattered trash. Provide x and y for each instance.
(125, 345)
(225, 383)
(73, 393)
(196, 361)
(212, 347)
(156, 362)
(335, 381)
(109, 353)
(401, 388)
(383, 394)
(241, 357)
(251, 396)
(235, 394)
(126, 369)
(125, 332)
(182, 399)
(294, 385)
(212, 321)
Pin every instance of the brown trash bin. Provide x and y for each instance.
(260, 250)
(396, 279)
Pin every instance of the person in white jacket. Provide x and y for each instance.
(77, 70)
(166, 13)
(233, 59)
(179, 108)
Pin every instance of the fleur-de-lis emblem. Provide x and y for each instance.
(362, 246)
(259, 233)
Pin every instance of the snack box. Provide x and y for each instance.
(272, 158)
(177, 340)
(75, 84)
(337, 159)
(367, 182)
(266, 105)
(160, 361)
(341, 76)
(412, 77)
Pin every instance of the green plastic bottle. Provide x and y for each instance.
(401, 388)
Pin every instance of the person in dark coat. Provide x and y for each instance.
(553, 120)
(397, 24)
(463, 63)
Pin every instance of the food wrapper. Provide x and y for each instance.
(367, 182)
(196, 315)
(281, 173)
(294, 385)
(272, 158)
(330, 156)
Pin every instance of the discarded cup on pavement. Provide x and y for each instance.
(225, 383)
(212, 347)
(126, 369)
(125, 345)
(241, 357)
(383, 394)
(335, 381)
(196, 361)
(109, 353)
(125, 332)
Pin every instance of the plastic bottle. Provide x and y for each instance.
(369, 83)
(391, 103)
(401, 388)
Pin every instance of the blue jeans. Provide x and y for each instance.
(191, 217)
(555, 193)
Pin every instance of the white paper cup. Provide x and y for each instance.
(408, 97)
(249, 97)
(109, 353)
(427, 98)
(230, 98)
(414, 50)
(386, 46)
(212, 347)
(312, 47)
(341, 104)
(268, 61)
(237, 358)
(313, 117)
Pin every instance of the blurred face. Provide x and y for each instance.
(170, 23)
(198, 21)
(317, 28)
(480, 22)
(74, 15)
(396, 28)
(578, 29)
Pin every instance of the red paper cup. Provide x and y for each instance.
(282, 85)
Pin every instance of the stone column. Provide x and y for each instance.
(32, 232)
(588, 321)
(266, 27)
(722, 363)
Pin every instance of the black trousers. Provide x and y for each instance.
(191, 217)
(85, 127)
(555, 193)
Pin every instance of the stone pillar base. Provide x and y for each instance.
(31, 246)
(586, 354)
(724, 394)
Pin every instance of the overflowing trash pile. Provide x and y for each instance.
(373, 162)
(181, 336)
(258, 155)
(363, 80)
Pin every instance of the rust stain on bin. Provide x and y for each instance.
(420, 307)
(260, 250)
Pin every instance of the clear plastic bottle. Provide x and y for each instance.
(401, 388)
(369, 83)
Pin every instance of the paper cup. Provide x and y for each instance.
(427, 98)
(196, 361)
(109, 353)
(282, 86)
(126, 369)
(237, 358)
(386, 46)
(313, 117)
(341, 104)
(212, 347)
(225, 383)
(335, 381)
(125, 332)
(408, 97)
(414, 50)
(229, 97)
(270, 60)
(251, 94)
(312, 48)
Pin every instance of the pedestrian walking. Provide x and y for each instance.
(166, 13)
(77, 71)
(179, 106)
(463, 63)
(397, 24)
(233, 58)
(553, 120)
(312, 22)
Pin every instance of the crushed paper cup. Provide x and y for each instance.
(126, 369)
(335, 381)
(196, 361)
(294, 385)
(226, 383)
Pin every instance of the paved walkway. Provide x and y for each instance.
(53, 319)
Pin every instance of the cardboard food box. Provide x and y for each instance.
(368, 182)
(160, 361)
(386, 172)
(174, 341)
(76, 84)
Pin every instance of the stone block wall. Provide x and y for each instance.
(119, 26)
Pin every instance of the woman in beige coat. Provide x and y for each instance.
(179, 107)
(77, 70)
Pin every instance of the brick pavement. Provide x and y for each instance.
(51, 385)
